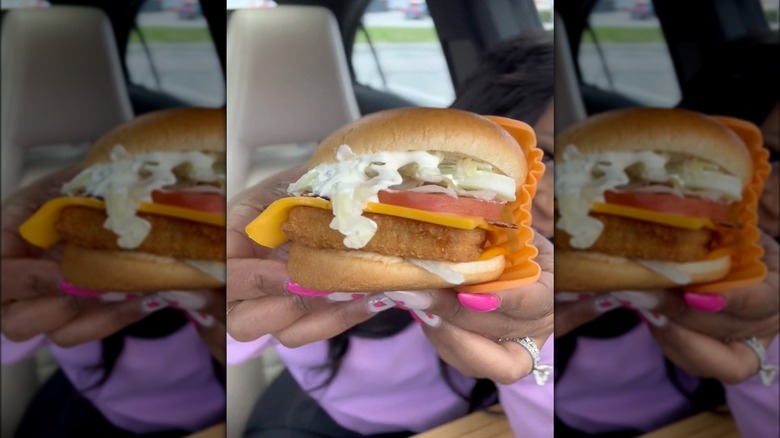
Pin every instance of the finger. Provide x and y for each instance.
(703, 356)
(251, 319)
(326, 322)
(25, 319)
(97, 323)
(250, 278)
(29, 278)
(478, 356)
(575, 310)
(209, 301)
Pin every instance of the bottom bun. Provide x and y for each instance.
(580, 271)
(362, 271)
(127, 271)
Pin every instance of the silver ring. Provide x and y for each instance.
(766, 371)
(540, 372)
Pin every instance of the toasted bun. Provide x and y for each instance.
(173, 130)
(596, 272)
(671, 130)
(127, 271)
(428, 129)
(362, 271)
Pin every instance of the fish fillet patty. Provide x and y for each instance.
(645, 240)
(394, 236)
(169, 236)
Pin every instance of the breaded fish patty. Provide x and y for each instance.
(395, 236)
(169, 236)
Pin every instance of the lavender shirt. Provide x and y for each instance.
(632, 391)
(183, 393)
(394, 384)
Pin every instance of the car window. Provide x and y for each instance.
(171, 50)
(771, 8)
(625, 52)
(545, 9)
(400, 52)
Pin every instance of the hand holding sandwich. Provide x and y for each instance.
(31, 299)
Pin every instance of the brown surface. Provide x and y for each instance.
(595, 272)
(362, 271)
(645, 240)
(169, 236)
(704, 425)
(217, 431)
(428, 129)
(671, 130)
(125, 271)
(476, 425)
(173, 130)
(394, 236)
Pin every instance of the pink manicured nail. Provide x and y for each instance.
(653, 318)
(297, 289)
(606, 304)
(70, 289)
(425, 318)
(344, 296)
(380, 303)
(480, 302)
(709, 303)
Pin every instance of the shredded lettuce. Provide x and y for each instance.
(354, 180)
(128, 180)
(582, 179)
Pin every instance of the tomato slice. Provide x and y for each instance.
(667, 203)
(441, 203)
(210, 202)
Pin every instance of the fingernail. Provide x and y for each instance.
(709, 303)
(380, 303)
(295, 288)
(411, 300)
(201, 318)
(606, 304)
(480, 302)
(344, 296)
(425, 318)
(570, 297)
(70, 289)
(636, 300)
(112, 297)
(153, 304)
(653, 318)
(185, 300)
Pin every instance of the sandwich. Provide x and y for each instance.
(401, 199)
(647, 198)
(147, 212)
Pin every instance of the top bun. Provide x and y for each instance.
(428, 129)
(172, 130)
(671, 130)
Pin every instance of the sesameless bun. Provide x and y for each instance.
(130, 271)
(361, 271)
(428, 129)
(173, 130)
(641, 129)
(595, 272)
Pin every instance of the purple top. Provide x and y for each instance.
(183, 393)
(394, 384)
(632, 391)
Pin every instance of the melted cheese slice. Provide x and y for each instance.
(39, 229)
(266, 228)
(671, 219)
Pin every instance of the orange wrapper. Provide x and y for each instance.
(746, 265)
(516, 244)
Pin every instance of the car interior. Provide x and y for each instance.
(289, 86)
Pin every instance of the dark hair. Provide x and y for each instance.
(515, 79)
(739, 79)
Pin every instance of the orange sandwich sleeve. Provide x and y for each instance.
(516, 244)
(746, 266)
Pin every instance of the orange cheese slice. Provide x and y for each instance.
(674, 220)
(266, 228)
(40, 229)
